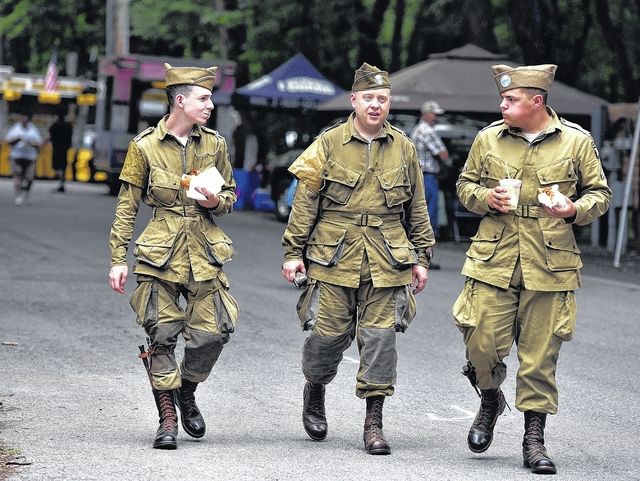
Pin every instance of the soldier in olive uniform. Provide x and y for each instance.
(523, 265)
(360, 230)
(181, 251)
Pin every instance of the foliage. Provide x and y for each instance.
(591, 41)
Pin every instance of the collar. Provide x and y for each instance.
(162, 131)
(349, 131)
(554, 125)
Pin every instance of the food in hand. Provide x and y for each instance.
(185, 181)
(551, 197)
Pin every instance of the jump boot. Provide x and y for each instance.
(167, 434)
(313, 416)
(492, 405)
(190, 417)
(534, 454)
(374, 440)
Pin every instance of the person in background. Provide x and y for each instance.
(359, 229)
(25, 140)
(181, 251)
(431, 153)
(523, 265)
(60, 134)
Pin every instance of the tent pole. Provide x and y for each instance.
(622, 225)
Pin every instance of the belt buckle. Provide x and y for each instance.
(364, 220)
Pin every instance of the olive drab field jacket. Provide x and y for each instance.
(358, 198)
(181, 236)
(563, 154)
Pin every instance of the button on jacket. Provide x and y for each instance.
(358, 198)
(563, 154)
(181, 237)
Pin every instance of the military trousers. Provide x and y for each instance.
(205, 323)
(336, 315)
(492, 319)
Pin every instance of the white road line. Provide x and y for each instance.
(467, 415)
(611, 282)
(349, 359)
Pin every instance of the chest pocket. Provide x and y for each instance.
(163, 186)
(561, 173)
(339, 182)
(395, 185)
(493, 169)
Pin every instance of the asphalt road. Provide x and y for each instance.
(77, 406)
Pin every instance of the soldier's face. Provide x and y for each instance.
(372, 109)
(197, 106)
(516, 108)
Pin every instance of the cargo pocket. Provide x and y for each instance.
(401, 252)
(144, 302)
(155, 244)
(339, 182)
(405, 310)
(396, 186)
(565, 324)
(163, 186)
(226, 309)
(218, 245)
(484, 243)
(561, 250)
(464, 309)
(307, 306)
(325, 245)
(561, 173)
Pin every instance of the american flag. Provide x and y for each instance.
(51, 77)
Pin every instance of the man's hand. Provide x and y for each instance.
(419, 278)
(290, 268)
(118, 278)
(212, 199)
(498, 199)
(568, 210)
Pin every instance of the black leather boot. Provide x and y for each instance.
(190, 417)
(313, 417)
(492, 405)
(374, 440)
(167, 434)
(534, 454)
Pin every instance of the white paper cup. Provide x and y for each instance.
(513, 189)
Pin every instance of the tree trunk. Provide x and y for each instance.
(369, 24)
(479, 22)
(396, 43)
(617, 46)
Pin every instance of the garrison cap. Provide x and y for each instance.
(203, 77)
(526, 76)
(369, 77)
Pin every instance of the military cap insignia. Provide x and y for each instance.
(378, 79)
(505, 80)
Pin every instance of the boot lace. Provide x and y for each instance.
(490, 410)
(187, 397)
(316, 400)
(167, 411)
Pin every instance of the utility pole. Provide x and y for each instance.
(117, 27)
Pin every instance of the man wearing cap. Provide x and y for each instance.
(360, 230)
(431, 153)
(524, 264)
(181, 251)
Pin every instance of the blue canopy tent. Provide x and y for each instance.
(296, 84)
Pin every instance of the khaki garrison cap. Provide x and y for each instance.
(203, 77)
(527, 76)
(368, 77)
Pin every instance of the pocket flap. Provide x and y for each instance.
(560, 240)
(396, 238)
(496, 169)
(484, 243)
(336, 172)
(559, 172)
(163, 178)
(394, 178)
(155, 247)
(327, 235)
(218, 245)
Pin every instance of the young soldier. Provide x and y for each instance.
(181, 251)
(523, 265)
(359, 229)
